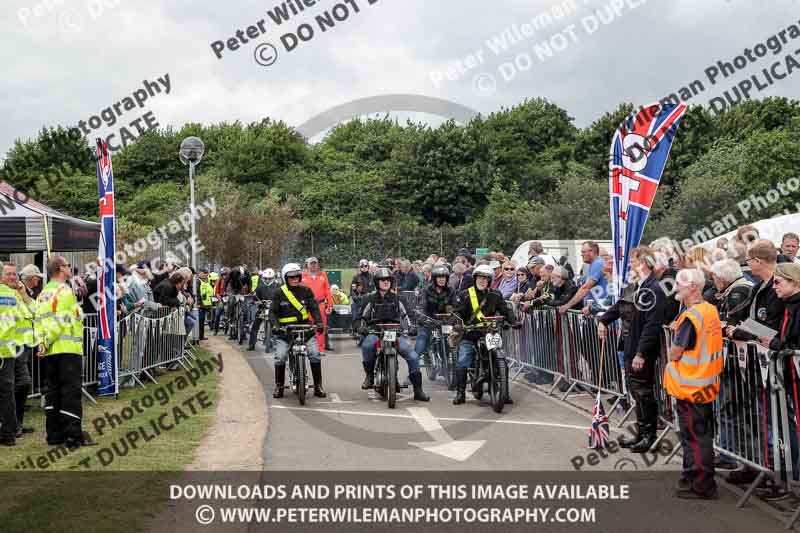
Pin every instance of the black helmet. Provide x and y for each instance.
(383, 273)
(439, 272)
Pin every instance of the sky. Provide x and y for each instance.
(68, 60)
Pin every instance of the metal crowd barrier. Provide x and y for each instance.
(568, 348)
(755, 410)
(143, 343)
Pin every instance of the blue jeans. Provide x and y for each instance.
(189, 320)
(423, 339)
(282, 351)
(368, 352)
(466, 354)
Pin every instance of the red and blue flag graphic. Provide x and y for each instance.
(106, 276)
(639, 153)
(598, 433)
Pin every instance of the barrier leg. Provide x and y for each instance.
(657, 442)
(627, 415)
(89, 396)
(569, 390)
(137, 380)
(792, 519)
(673, 454)
(751, 489)
(149, 376)
(550, 392)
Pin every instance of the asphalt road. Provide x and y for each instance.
(354, 430)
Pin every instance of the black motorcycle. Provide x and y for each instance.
(388, 346)
(298, 355)
(489, 371)
(440, 359)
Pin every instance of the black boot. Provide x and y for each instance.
(369, 379)
(416, 381)
(461, 386)
(316, 373)
(328, 345)
(628, 442)
(280, 377)
(647, 427)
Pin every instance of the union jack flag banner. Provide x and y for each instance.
(639, 153)
(598, 433)
(106, 276)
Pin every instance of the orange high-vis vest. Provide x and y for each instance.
(695, 376)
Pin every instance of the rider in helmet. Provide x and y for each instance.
(437, 298)
(264, 292)
(381, 307)
(472, 305)
(294, 303)
(239, 284)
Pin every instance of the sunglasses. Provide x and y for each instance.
(509, 269)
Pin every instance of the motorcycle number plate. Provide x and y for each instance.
(493, 341)
(390, 336)
(447, 329)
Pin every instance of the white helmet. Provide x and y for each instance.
(291, 270)
(268, 273)
(483, 270)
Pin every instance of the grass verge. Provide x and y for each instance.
(145, 436)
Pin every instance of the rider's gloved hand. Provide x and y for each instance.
(320, 328)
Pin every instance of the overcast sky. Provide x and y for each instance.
(66, 60)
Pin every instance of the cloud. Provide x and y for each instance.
(55, 74)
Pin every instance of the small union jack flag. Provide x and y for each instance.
(598, 433)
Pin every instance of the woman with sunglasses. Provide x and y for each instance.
(508, 282)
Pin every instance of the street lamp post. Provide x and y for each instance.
(190, 153)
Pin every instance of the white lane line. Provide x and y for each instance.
(439, 418)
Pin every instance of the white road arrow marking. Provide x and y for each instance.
(444, 444)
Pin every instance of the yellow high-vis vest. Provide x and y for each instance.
(296, 304)
(11, 319)
(59, 320)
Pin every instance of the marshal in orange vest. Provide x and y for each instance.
(695, 376)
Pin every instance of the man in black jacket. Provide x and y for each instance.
(765, 308)
(384, 307)
(264, 292)
(472, 305)
(562, 289)
(437, 298)
(166, 292)
(294, 304)
(360, 287)
(642, 346)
